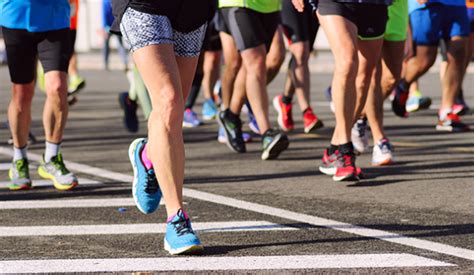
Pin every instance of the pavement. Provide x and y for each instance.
(253, 216)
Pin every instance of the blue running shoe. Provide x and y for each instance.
(209, 110)
(180, 237)
(146, 191)
(252, 121)
(190, 119)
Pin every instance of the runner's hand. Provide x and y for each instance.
(421, 2)
(299, 5)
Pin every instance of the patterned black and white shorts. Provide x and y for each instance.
(143, 29)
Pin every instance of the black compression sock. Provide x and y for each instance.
(287, 99)
(232, 117)
(346, 148)
(403, 85)
(332, 149)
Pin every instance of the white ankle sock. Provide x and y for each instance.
(19, 153)
(51, 151)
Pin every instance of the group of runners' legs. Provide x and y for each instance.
(177, 48)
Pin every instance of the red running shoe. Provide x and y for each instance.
(329, 165)
(311, 121)
(285, 117)
(346, 169)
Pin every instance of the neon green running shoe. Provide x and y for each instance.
(19, 175)
(56, 171)
(76, 83)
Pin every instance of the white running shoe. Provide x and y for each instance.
(383, 153)
(359, 136)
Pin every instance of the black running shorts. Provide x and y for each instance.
(23, 47)
(297, 26)
(212, 41)
(370, 19)
(249, 28)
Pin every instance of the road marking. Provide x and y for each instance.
(66, 203)
(220, 263)
(42, 183)
(289, 215)
(6, 166)
(145, 228)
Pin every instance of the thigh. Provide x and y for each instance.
(21, 48)
(54, 50)
(272, 36)
(294, 23)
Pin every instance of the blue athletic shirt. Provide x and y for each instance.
(413, 4)
(35, 15)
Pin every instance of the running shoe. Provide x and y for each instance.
(273, 143)
(19, 175)
(209, 110)
(346, 169)
(328, 94)
(253, 125)
(311, 121)
(76, 83)
(129, 107)
(146, 191)
(399, 101)
(382, 153)
(217, 93)
(180, 237)
(190, 119)
(285, 117)
(329, 165)
(451, 123)
(359, 135)
(416, 102)
(222, 139)
(56, 171)
(460, 106)
(232, 131)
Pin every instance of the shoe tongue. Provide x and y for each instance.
(180, 215)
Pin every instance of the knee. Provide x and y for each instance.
(347, 68)
(169, 111)
(56, 87)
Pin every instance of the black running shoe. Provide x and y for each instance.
(129, 108)
(400, 98)
(273, 143)
(233, 131)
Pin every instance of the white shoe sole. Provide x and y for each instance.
(192, 249)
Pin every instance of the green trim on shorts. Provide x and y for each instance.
(397, 24)
(262, 6)
(371, 38)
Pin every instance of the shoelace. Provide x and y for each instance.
(21, 169)
(151, 184)
(182, 227)
(59, 164)
(385, 147)
(348, 159)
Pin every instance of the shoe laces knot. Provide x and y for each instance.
(151, 184)
(182, 226)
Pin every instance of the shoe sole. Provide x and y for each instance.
(276, 105)
(209, 118)
(276, 148)
(328, 171)
(450, 129)
(131, 156)
(314, 126)
(188, 250)
(383, 163)
(351, 177)
(227, 142)
(17, 187)
(62, 187)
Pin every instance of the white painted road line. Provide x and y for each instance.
(220, 263)
(42, 183)
(290, 215)
(75, 203)
(145, 228)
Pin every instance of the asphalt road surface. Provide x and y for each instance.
(416, 216)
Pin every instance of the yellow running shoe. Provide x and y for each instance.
(19, 175)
